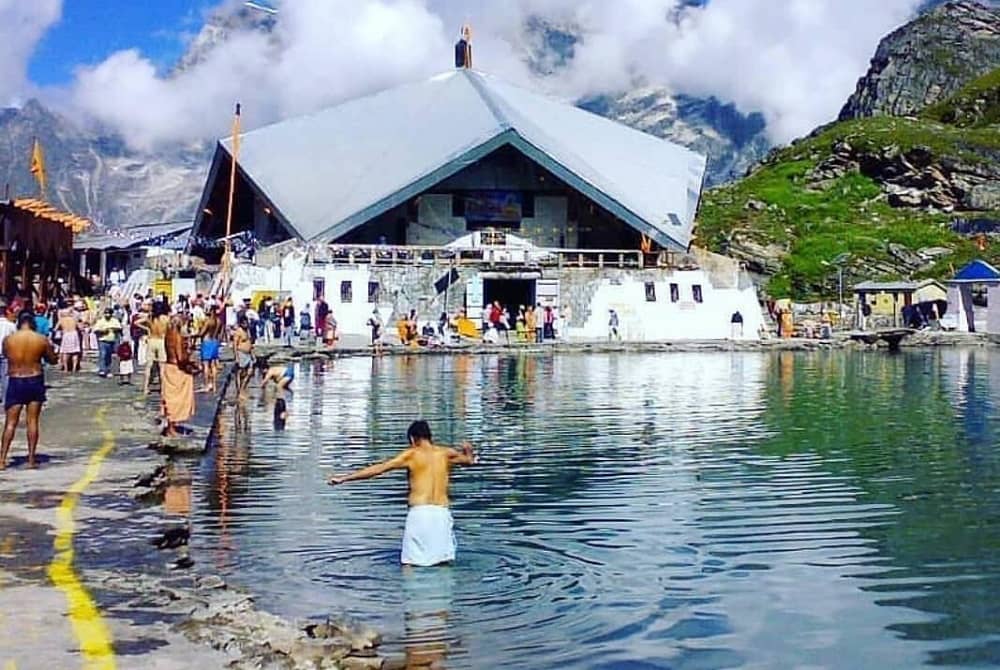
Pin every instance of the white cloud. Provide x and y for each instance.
(22, 25)
(796, 61)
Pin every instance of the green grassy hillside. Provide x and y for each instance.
(829, 194)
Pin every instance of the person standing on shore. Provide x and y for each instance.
(155, 349)
(211, 342)
(177, 382)
(322, 313)
(376, 325)
(7, 328)
(530, 323)
(108, 329)
(428, 538)
(24, 351)
(287, 322)
(613, 332)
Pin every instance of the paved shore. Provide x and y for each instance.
(57, 609)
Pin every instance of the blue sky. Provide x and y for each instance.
(91, 30)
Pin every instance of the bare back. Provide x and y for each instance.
(429, 469)
(212, 328)
(66, 323)
(158, 327)
(241, 341)
(25, 350)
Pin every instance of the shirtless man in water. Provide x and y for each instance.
(243, 347)
(25, 350)
(281, 375)
(428, 538)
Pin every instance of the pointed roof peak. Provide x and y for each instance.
(339, 167)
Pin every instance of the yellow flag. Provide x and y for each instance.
(38, 166)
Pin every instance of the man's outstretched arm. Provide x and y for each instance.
(395, 463)
(464, 457)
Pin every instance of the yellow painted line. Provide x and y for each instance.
(11, 665)
(88, 626)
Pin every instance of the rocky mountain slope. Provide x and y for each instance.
(96, 175)
(732, 141)
(909, 196)
(928, 60)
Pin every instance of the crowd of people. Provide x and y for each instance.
(534, 323)
(173, 341)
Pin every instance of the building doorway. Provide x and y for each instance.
(511, 293)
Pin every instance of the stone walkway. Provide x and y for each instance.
(95, 436)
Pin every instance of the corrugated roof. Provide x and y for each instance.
(338, 168)
(128, 238)
(887, 286)
(44, 210)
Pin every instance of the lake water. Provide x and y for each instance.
(707, 510)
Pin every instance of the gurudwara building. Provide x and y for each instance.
(463, 189)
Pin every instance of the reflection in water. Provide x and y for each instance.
(427, 597)
(705, 510)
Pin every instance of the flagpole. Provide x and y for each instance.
(234, 156)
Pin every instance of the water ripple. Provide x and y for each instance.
(706, 510)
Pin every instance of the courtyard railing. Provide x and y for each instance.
(499, 257)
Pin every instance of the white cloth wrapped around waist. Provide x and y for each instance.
(429, 537)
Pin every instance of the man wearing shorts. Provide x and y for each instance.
(281, 375)
(211, 334)
(24, 350)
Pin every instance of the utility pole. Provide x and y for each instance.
(840, 303)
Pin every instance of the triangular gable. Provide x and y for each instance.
(334, 170)
(977, 271)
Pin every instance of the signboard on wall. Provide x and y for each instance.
(493, 206)
(547, 292)
(473, 295)
(164, 286)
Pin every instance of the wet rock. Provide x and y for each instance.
(364, 639)
(179, 446)
(211, 582)
(395, 663)
(362, 663)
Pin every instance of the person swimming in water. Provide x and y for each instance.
(281, 375)
(428, 538)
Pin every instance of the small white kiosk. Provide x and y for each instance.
(976, 274)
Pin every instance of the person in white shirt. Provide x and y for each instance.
(7, 327)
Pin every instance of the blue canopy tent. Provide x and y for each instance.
(976, 273)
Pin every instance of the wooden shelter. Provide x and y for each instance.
(36, 247)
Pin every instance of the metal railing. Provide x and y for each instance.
(496, 256)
